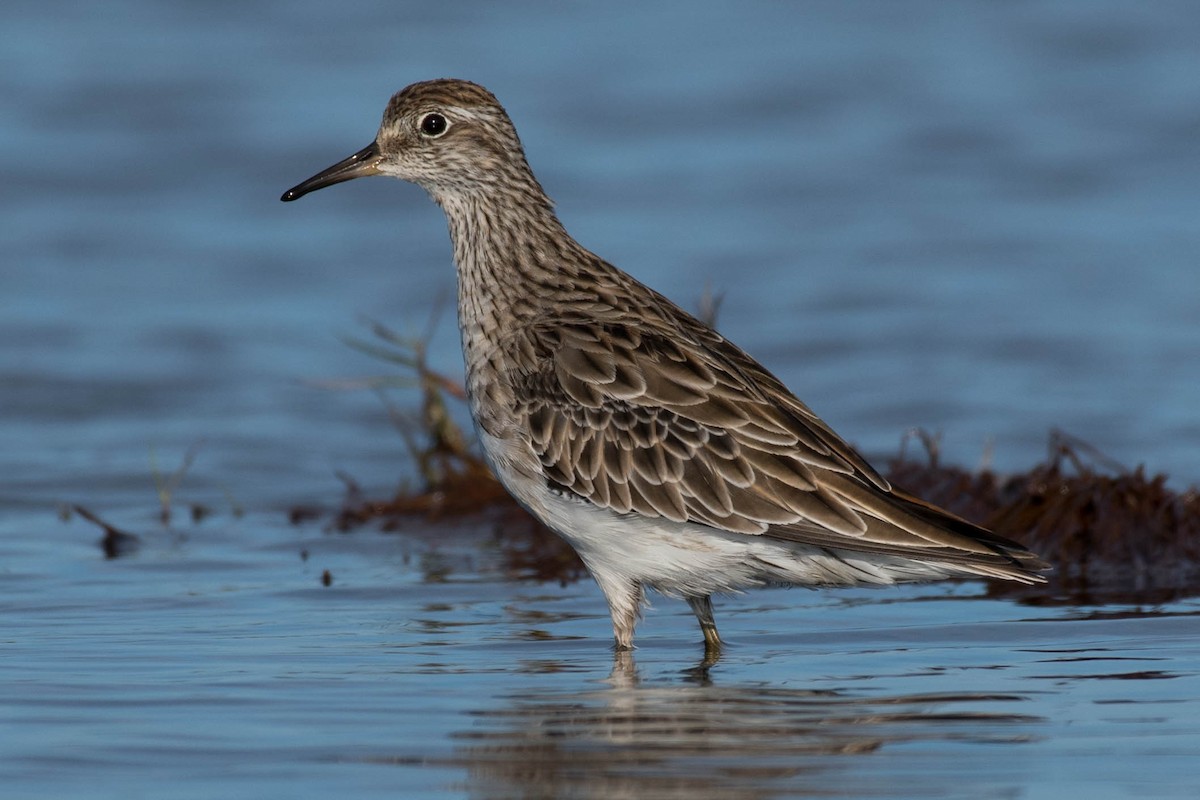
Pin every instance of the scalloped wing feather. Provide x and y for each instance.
(681, 424)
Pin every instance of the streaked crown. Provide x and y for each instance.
(450, 136)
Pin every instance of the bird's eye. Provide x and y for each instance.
(434, 125)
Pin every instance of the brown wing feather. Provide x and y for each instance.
(635, 419)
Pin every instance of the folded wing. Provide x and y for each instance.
(635, 420)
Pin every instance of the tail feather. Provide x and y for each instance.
(900, 524)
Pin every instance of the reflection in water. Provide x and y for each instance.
(698, 739)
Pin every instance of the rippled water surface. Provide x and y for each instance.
(975, 218)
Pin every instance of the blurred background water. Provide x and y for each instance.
(978, 218)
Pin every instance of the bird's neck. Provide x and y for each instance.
(509, 248)
(510, 251)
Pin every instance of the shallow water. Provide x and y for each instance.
(214, 660)
(978, 219)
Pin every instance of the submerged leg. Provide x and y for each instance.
(702, 608)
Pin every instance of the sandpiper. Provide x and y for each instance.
(664, 454)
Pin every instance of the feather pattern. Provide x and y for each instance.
(712, 438)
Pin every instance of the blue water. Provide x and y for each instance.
(974, 218)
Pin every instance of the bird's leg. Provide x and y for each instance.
(626, 608)
(702, 608)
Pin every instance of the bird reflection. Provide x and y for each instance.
(624, 674)
(697, 739)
